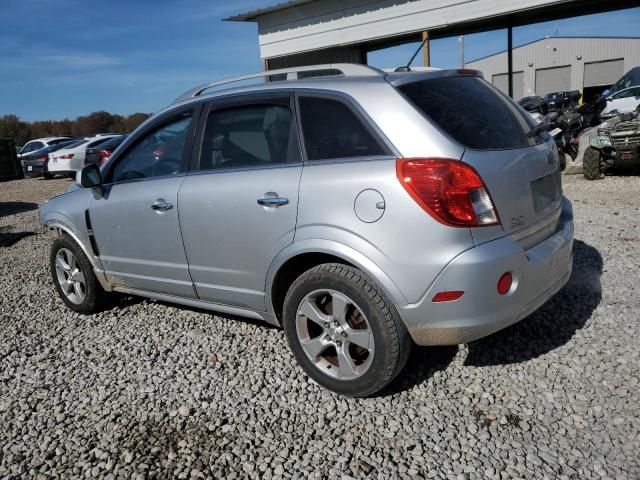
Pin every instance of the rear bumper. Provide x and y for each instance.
(33, 169)
(62, 167)
(54, 171)
(538, 273)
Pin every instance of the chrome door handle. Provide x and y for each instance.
(273, 201)
(161, 206)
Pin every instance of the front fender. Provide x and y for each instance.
(339, 250)
(65, 213)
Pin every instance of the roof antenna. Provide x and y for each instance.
(407, 67)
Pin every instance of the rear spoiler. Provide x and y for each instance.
(401, 78)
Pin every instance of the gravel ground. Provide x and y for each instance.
(147, 390)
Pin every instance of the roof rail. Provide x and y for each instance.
(345, 69)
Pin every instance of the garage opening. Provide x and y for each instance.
(554, 79)
(598, 76)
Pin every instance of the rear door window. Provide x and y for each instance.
(332, 129)
(249, 135)
(473, 112)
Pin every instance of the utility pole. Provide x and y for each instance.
(510, 60)
(461, 42)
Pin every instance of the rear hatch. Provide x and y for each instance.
(520, 168)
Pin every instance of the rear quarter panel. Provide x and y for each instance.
(408, 245)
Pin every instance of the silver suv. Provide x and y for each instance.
(362, 211)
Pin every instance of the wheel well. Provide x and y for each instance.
(291, 270)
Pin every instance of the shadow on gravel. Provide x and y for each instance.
(554, 324)
(11, 208)
(422, 364)
(7, 239)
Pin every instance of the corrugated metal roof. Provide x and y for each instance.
(251, 16)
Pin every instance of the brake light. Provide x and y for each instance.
(449, 190)
(43, 159)
(469, 71)
(104, 156)
(68, 156)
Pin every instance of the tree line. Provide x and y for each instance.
(12, 127)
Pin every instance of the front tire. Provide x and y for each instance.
(343, 331)
(74, 278)
(591, 164)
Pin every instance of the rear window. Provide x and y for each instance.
(112, 143)
(60, 140)
(75, 144)
(473, 113)
(100, 141)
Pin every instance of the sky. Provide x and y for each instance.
(65, 58)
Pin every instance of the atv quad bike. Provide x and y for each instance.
(614, 145)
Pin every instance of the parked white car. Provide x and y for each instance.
(624, 101)
(69, 160)
(37, 144)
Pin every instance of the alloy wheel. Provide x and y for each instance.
(335, 334)
(70, 276)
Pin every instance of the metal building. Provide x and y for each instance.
(588, 64)
(305, 32)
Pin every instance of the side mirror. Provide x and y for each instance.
(89, 176)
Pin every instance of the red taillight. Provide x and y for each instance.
(447, 296)
(469, 71)
(504, 284)
(104, 156)
(449, 190)
(68, 156)
(43, 159)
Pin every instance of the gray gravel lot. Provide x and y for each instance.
(148, 390)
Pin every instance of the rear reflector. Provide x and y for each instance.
(447, 296)
(450, 191)
(504, 284)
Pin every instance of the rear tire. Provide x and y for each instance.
(591, 164)
(47, 176)
(74, 278)
(357, 351)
